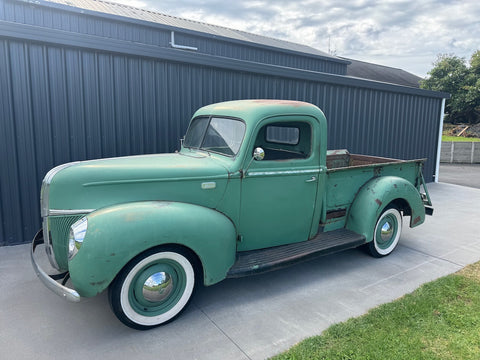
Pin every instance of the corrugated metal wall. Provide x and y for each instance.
(109, 27)
(63, 103)
(248, 53)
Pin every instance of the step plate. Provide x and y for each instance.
(263, 260)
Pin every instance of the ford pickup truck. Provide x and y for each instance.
(252, 189)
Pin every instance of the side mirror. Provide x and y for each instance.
(258, 154)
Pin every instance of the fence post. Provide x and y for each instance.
(452, 151)
(473, 151)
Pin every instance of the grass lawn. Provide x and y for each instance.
(440, 320)
(459, 139)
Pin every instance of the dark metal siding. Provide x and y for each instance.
(32, 14)
(60, 19)
(266, 56)
(61, 103)
(129, 14)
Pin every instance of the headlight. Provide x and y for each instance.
(77, 234)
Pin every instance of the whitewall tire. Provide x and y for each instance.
(153, 288)
(388, 229)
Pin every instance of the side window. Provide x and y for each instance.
(285, 140)
(282, 135)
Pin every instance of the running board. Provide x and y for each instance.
(263, 260)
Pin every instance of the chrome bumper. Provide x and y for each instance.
(50, 280)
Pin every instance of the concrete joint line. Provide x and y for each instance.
(436, 257)
(412, 268)
(223, 332)
(395, 275)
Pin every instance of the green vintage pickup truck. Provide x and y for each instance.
(252, 189)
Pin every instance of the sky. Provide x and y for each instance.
(403, 34)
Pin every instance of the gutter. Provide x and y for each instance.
(176, 46)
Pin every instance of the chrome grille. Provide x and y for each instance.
(59, 229)
(44, 210)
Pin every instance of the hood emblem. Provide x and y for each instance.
(209, 185)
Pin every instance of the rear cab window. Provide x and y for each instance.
(283, 141)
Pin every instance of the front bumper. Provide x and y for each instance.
(50, 280)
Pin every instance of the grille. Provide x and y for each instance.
(59, 228)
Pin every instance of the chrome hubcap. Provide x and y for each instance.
(158, 287)
(387, 231)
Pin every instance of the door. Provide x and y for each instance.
(279, 192)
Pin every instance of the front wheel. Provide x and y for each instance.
(153, 288)
(387, 233)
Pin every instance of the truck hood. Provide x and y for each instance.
(90, 185)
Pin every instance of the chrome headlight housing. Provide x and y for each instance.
(75, 239)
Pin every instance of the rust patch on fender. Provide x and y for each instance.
(378, 202)
(416, 220)
(98, 283)
(377, 171)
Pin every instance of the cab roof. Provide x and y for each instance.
(253, 110)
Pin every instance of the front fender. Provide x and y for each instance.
(118, 233)
(375, 196)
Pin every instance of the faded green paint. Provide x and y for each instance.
(218, 205)
(118, 233)
(276, 193)
(171, 177)
(99, 183)
(343, 185)
(375, 196)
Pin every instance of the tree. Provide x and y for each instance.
(451, 74)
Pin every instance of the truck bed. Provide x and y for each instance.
(346, 173)
(341, 159)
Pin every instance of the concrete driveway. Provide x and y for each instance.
(460, 174)
(249, 318)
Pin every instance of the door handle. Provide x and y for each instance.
(312, 179)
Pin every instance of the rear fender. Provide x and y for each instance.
(376, 195)
(117, 234)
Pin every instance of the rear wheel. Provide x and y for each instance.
(387, 232)
(153, 288)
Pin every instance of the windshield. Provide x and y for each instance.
(220, 135)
